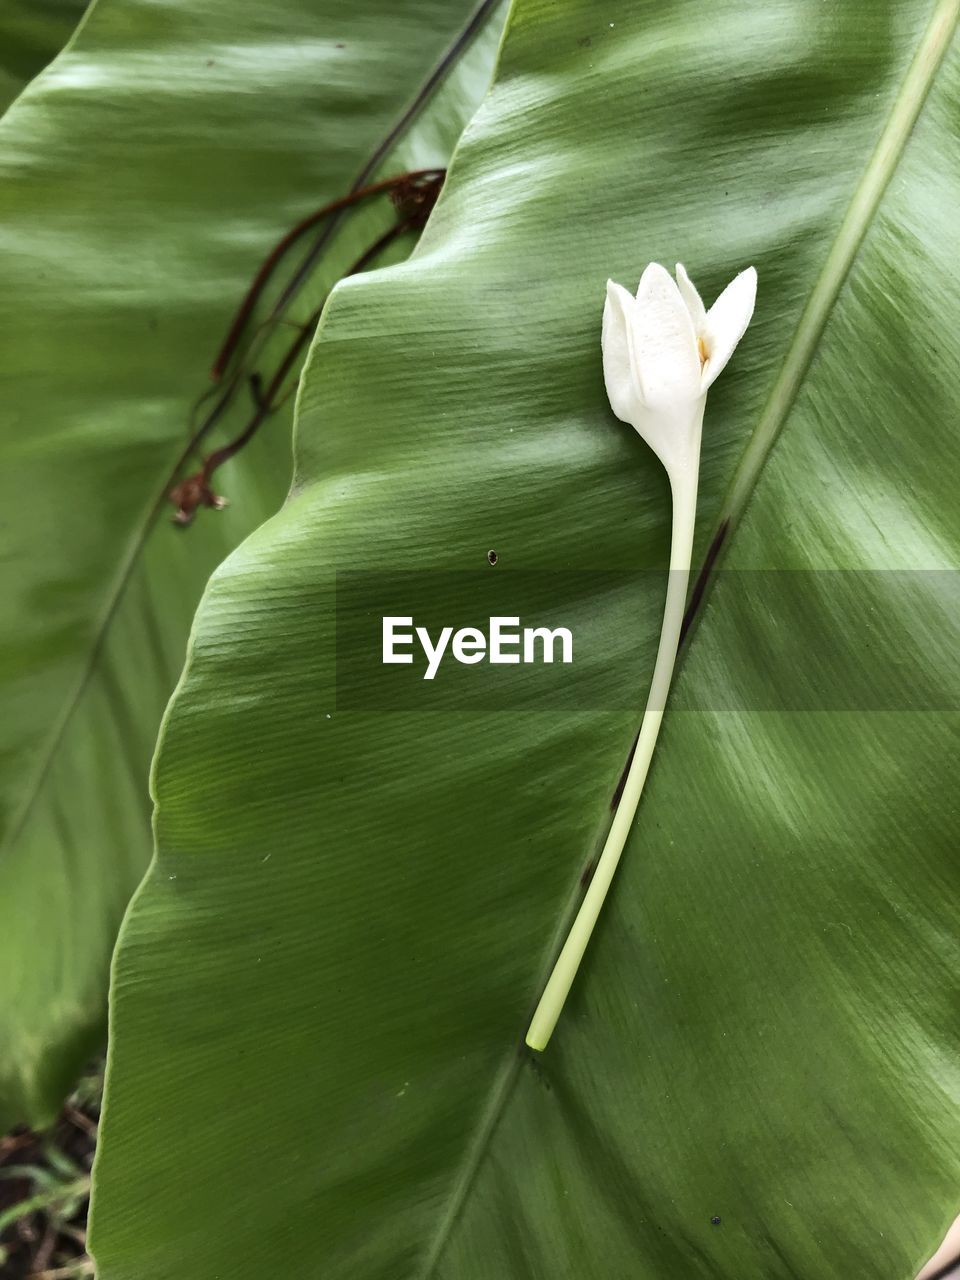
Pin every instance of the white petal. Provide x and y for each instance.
(618, 374)
(692, 299)
(726, 321)
(664, 342)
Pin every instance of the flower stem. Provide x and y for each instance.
(684, 489)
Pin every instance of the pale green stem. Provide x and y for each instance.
(684, 488)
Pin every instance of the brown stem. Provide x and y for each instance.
(462, 41)
(425, 195)
(382, 150)
(402, 184)
(195, 491)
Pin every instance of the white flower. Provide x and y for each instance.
(662, 351)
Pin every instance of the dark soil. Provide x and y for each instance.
(44, 1190)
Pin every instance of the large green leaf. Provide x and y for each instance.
(320, 995)
(32, 33)
(143, 178)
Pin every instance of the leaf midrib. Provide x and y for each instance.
(48, 752)
(867, 195)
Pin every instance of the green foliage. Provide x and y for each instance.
(144, 176)
(321, 993)
(32, 33)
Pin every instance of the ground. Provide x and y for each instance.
(44, 1188)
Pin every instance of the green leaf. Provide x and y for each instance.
(321, 994)
(144, 177)
(32, 33)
